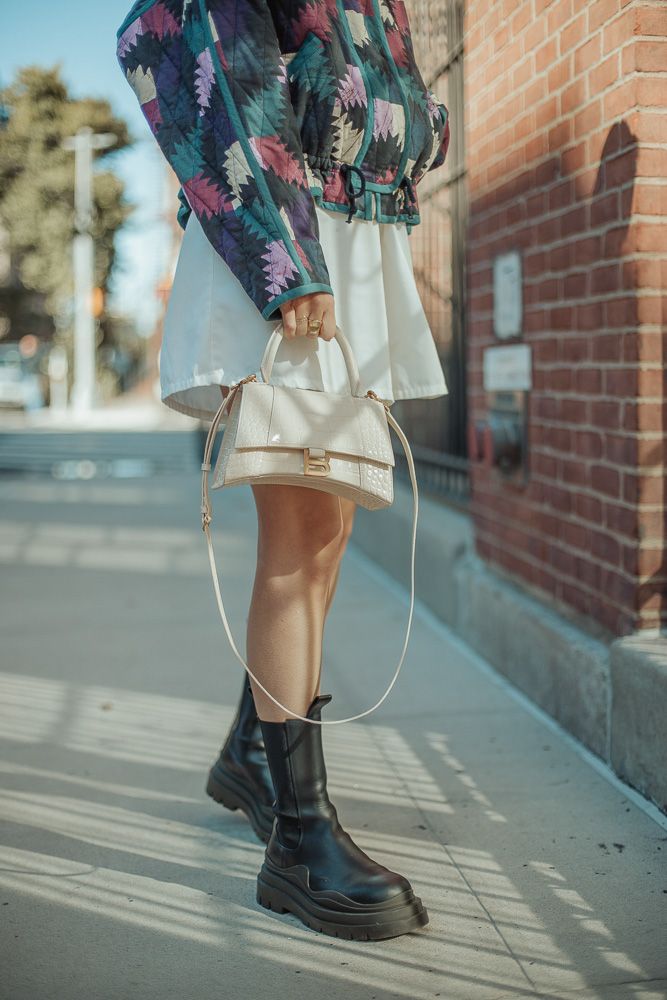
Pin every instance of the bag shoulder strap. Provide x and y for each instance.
(206, 521)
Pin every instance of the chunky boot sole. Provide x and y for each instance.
(283, 891)
(232, 794)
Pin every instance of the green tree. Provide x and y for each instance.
(37, 183)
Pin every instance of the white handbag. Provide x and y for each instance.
(334, 443)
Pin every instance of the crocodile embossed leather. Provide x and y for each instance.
(336, 443)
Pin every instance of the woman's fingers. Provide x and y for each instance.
(301, 316)
(289, 320)
(328, 328)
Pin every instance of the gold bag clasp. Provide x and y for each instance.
(315, 462)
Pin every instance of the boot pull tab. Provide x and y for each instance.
(315, 709)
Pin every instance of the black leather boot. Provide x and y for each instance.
(312, 868)
(240, 778)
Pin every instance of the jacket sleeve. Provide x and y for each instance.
(444, 145)
(213, 87)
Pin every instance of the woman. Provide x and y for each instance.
(298, 130)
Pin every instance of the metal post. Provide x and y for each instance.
(83, 144)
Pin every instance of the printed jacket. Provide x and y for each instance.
(263, 107)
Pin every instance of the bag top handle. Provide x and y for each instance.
(276, 340)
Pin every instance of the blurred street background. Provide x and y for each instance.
(518, 775)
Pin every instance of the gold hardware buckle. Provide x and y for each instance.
(314, 465)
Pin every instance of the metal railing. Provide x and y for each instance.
(437, 428)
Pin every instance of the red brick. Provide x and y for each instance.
(650, 524)
(588, 381)
(571, 35)
(545, 407)
(605, 279)
(574, 411)
(560, 379)
(605, 74)
(630, 559)
(649, 416)
(651, 562)
(560, 559)
(652, 21)
(621, 520)
(588, 55)
(522, 74)
(616, 241)
(621, 382)
(520, 20)
(587, 120)
(573, 349)
(618, 32)
(621, 313)
(562, 196)
(600, 12)
(621, 450)
(536, 32)
(575, 473)
(589, 316)
(651, 162)
(545, 465)
(621, 100)
(559, 258)
(588, 508)
(546, 173)
(605, 414)
(545, 351)
(621, 169)
(643, 489)
(605, 547)
(651, 346)
(588, 251)
(574, 159)
(619, 589)
(650, 127)
(559, 75)
(576, 285)
(588, 573)
(559, 14)
(559, 438)
(605, 209)
(559, 135)
(649, 57)
(651, 382)
(651, 451)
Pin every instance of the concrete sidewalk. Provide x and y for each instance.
(121, 880)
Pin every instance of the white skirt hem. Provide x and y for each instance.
(214, 335)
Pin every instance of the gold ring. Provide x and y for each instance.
(314, 326)
(302, 319)
(313, 336)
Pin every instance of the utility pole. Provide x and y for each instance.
(83, 144)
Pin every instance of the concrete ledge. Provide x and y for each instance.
(444, 538)
(559, 667)
(612, 698)
(639, 714)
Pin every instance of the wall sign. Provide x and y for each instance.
(507, 295)
(508, 369)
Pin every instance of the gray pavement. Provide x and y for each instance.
(121, 880)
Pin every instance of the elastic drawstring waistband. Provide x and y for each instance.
(410, 196)
(347, 170)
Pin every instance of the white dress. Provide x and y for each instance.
(214, 335)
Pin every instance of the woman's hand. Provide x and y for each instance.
(298, 314)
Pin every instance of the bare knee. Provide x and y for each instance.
(301, 532)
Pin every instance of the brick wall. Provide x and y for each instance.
(566, 135)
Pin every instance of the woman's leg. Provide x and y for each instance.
(301, 537)
(239, 779)
(347, 510)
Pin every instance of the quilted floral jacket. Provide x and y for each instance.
(263, 107)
